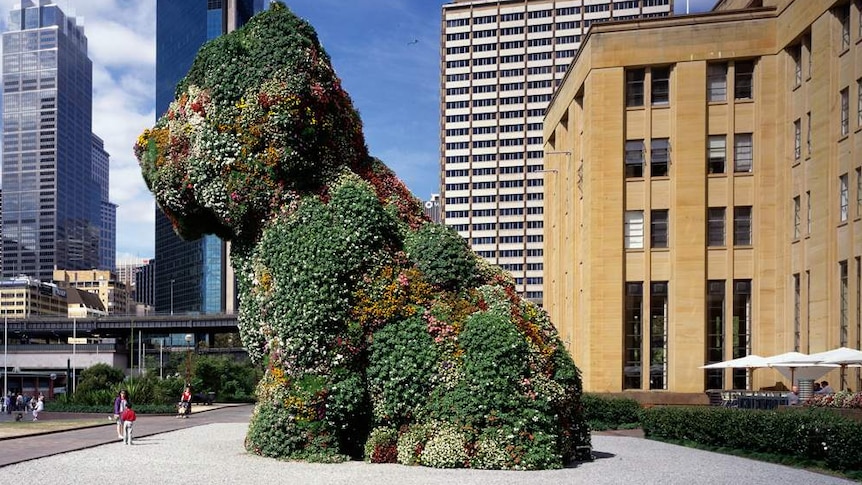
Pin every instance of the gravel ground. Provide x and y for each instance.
(213, 454)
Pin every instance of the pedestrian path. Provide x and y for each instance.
(208, 448)
(39, 445)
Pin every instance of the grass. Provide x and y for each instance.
(13, 429)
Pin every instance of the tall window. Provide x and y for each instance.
(859, 100)
(715, 226)
(742, 226)
(741, 329)
(808, 221)
(715, 332)
(716, 82)
(797, 312)
(717, 153)
(742, 153)
(844, 198)
(743, 81)
(797, 65)
(659, 228)
(797, 139)
(635, 87)
(845, 111)
(659, 158)
(858, 192)
(843, 14)
(634, 229)
(632, 365)
(858, 302)
(797, 217)
(843, 304)
(660, 93)
(634, 158)
(658, 313)
(808, 133)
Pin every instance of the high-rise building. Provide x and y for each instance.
(712, 209)
(191, 276)
(502, 61)
(108, 229)
(52, 216)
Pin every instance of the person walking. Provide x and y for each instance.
(120, 403)
(185, 407)
(129, 417)
(38, 407)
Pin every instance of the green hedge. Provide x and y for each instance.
(60, 406)
(804, 434)
(608, 412)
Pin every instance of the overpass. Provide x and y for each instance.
(38, 347)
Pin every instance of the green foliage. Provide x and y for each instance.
(445, 449)
(808, 434)
(411, 442)
(608, 412)
(402, 364)
(231, 380)
(443, 256)
(381, 446)
(99, 376)
(275, 432)
(322, 250)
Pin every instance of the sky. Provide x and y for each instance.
(386, 53)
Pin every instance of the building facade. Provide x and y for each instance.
(108, 210)
(192, 276)
(502, 60)
(112, 292)
(24, 297)
(52, 215)
(708, 202)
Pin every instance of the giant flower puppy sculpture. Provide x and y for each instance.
(382, 335)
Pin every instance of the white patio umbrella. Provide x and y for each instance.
(796, 365)
(748, 362)
(842, 356)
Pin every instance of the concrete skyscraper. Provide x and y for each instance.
(54, 183)
(502, 61)
(191, 276)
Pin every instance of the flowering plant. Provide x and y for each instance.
(382, 334)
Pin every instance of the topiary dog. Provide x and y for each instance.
(382, 335)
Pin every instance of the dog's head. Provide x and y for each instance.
(259, 120)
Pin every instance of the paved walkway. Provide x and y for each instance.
(212, 452)
(39, 445)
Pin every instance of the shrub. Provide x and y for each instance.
(382, 446)
(411, 442)
(603, 412)
(443, 256)
(445, 449)
(98, 376)
(807, 434)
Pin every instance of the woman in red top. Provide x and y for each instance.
(185, 407)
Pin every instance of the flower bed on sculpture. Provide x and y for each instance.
(382, 335)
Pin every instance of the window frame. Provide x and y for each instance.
(659, 233)
(659, 157)
(716, 82)
(716, 223)
(660, 86)
(843, 198)
(633, 229)
(743, 153)
(633, 159)
(635, 80)
(743, 80)
(712, 150)
(844, 103)
(742, 225)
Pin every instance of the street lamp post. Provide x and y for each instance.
(172, 296)
(189, 338)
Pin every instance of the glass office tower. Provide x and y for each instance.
(191, 276)
(53, 201)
